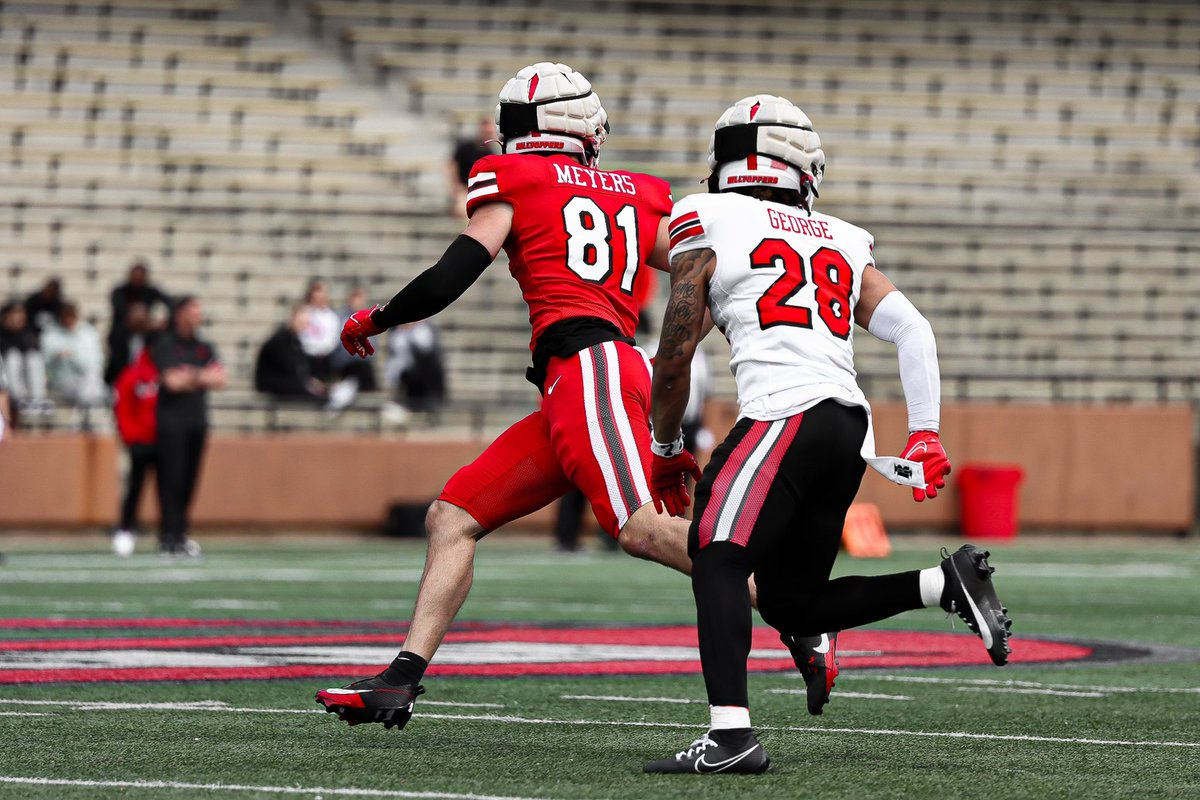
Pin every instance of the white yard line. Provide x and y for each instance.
(233, 787)
(205, 705)
(1018, 690)
(866, 676)
(840, 694)
(1133, 571)
(511, 719)
(867, 731)
(23, 714)
(622, 699)
(204, 573)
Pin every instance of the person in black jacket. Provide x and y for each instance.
(282, 369)
(136, 289)
(44, 306)
(125, 342)
(190, 368)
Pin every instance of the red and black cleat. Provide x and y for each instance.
(816, 658)
(372, 700)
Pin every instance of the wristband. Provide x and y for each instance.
(667, 450)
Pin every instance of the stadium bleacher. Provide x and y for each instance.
(1031, 175)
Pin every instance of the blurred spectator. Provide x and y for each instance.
(282, 369)
(74, 359)
(26, 369)
(135, 405)
(126, 341)
(322, 331)
(466, 153)
(416, 370)
(321, 339)
(44, 306)
(189, 367)
(137, 290)
(6, 409)
(345, 365)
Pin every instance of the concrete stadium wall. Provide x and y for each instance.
(1098, 467)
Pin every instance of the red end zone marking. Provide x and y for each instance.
(178, 642)
(968, 653)
(24, 623)
(888, 649)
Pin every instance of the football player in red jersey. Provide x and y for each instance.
(576, 237)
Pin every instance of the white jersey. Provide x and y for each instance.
(783, 293)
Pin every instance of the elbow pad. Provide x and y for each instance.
(897, 320)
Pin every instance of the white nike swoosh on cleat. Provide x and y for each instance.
(347, 691)
(823, 647)
(985, 632)
(723, 765)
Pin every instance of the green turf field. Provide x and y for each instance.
(1110, 730)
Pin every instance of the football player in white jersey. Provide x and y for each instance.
(786, 284)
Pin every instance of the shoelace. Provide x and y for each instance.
(698, 747)
(953, 605)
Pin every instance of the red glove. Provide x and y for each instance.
(925, 447)
(356, 330)
(668, 480)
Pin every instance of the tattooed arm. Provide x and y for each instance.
(684, 325)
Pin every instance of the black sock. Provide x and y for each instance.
(723, 621)
(842, 603)
(731, 737)
(405, 668)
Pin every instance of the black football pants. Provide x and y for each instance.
(179, 454)
(779, 493)
(142, 457)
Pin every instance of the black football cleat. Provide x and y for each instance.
(372, 700)
(735, 750)
(816, 658)
(971, 594)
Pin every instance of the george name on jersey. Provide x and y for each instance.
(595, 179)
(783, 221)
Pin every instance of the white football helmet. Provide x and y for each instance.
(754, 135)
(551, 107)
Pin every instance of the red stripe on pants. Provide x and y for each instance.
(725, 479)
(743, 526)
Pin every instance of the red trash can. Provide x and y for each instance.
(989, 500)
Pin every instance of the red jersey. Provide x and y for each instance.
(135, 401)
(580, 236)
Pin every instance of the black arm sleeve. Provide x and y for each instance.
(437, 287)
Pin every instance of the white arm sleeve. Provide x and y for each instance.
(898, 320)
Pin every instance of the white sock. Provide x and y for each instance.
(933, 583)
(726, 717)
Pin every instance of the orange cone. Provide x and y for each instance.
(863, 535)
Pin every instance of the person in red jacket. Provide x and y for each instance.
(135, 406)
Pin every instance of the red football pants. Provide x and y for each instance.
(593, 431)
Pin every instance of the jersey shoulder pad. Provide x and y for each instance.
(691, 218)
(498, 178)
